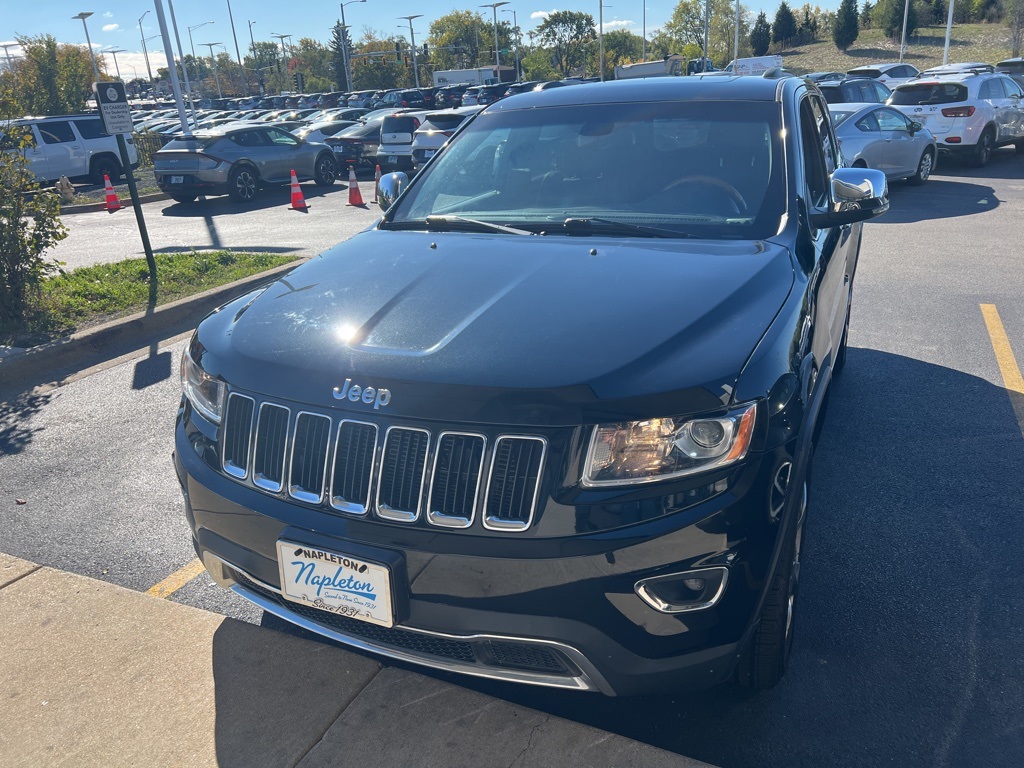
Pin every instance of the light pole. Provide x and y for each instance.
(195, 26)
(114, 54)
(412, 38)
(949, 28)
(181, 58)
(213, 63)
(903, 40)
(519, 40)
(7, 52)
(145, 52)
(345, 52)
(497, 59)
(239, 55)
(83, 16)
(736, 40)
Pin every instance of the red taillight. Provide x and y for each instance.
(405, 103)
(953, 140)
(958, 112)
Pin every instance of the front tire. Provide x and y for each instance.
(983, 149)
(105, 166)
(325, 172)
(243, 184)
(924, 169)
(764, 662)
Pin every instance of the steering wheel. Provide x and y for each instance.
(717, 185)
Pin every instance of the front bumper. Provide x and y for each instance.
(559, 611)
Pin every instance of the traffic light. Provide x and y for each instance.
(295, 81)
(398, 48)
(425, 54)
(299, 81)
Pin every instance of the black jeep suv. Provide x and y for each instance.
(551, 420)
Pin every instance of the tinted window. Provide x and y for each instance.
(868, 123)
(442, 122)
(891, 120)
(399, 124)
(56, 132)
(815, 175)
(90, 129)
(1012, 88)
(928, 93)
(881, 92)
(249, 139)
(690, 167)
(865, 73)
(991, 89)
(833, 95)
(281, 138)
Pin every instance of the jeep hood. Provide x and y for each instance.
(506, 329)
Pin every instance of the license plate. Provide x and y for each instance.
(335, 582)
(177, 179)
(428, 153)
(392, 159)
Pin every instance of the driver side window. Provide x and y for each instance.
(815, 168)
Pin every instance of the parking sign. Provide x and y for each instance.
(114, 109)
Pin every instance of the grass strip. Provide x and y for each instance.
(102, 292)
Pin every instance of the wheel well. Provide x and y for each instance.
(859, 163)
(247, 164)
(103, 156)
(991, 128)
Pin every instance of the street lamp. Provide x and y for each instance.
(238, 55)
(114, 53)
(10, 61)
(83, 16)
(497, 59)
(519, 40)
(344, 52)
(144, 51)
(195, 26)
(412, 38)
(213, 63)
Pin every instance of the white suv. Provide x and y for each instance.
(891, 75)
(970, 113)
(74, 146)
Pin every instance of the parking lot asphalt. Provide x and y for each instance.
(909, 648)
(266, 224)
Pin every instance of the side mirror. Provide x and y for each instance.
(389, 188)
(915, 127)
(858, 194)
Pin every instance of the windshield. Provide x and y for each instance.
(707, 169)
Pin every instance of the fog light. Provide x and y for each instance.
(684, 592)
(953, 140)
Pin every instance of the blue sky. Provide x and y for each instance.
(115, 25)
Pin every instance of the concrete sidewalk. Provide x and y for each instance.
(92, 674)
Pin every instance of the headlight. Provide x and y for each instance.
(661, 449)
(202, 390)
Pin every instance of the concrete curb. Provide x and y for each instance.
(127, 203)
(54, 355)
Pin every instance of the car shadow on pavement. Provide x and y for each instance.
(269, 197)
(938, 199)
(1006, 163)
(909, 648)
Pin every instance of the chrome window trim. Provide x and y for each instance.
(449, 521)
(662, 607)
(496, 523)
(350, 507)
(229, 468)
(401, 515)
(303, 494)
(589, 678)
(259, 482)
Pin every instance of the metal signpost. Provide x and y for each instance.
(117, 121)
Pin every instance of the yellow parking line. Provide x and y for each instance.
(176, 580)
(1012, 379)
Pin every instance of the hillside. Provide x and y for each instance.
(969, 42)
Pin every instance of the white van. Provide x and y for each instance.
(74, 146)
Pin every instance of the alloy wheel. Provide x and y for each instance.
(245, 183)
(925, 169)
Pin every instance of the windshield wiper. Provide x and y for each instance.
(612, 227)
(455, 223)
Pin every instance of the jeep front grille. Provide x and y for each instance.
(355, 466)
(514, 482)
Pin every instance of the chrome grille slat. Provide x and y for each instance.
(355, 452)
(269, 455)
(455, 480)
(310, 445)
(403, 469)
(237, 435)
(513, 482)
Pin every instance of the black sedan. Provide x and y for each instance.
(552, 419)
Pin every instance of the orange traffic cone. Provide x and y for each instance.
(298, 201)
(113, 204)
(376, 183)
(355, 197)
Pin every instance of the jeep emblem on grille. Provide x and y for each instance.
(355, 393)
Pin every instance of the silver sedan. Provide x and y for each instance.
(883, 138)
